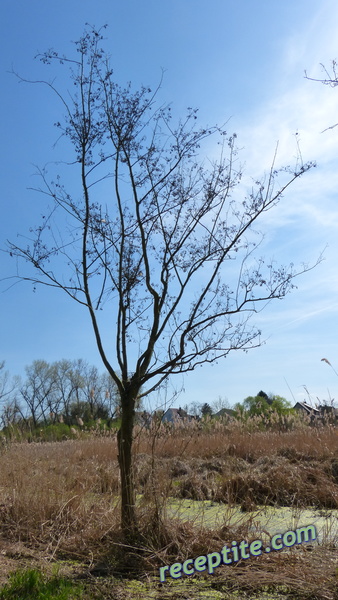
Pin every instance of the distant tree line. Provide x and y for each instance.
(263, 404)
(65, 391)
(74, 392)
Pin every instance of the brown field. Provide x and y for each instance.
(59, 504)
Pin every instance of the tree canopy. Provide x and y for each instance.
(263, 404)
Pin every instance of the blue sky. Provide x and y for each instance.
(238, 61)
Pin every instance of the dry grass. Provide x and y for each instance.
(222, 439)
(59, 494)
(61, 498)
(296, 573)
(229, 464)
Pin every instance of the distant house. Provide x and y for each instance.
(307, 409)
(322, 413)
(228, 413)
(175, 415)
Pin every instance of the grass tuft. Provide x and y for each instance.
(30, 584)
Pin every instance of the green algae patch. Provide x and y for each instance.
(265, 520)
(191, 589)
(203, 512)
(173, 590)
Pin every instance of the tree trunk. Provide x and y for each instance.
(125, 442)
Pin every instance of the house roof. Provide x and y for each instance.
(230, 412)
(306, 407)
(175, 414)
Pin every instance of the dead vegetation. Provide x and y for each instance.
(60, 500)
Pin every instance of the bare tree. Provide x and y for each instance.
(69, 383)
(330, 78)
(159, 239)
(7, 384)
(111, 397)
(38, 391)
(219, 404)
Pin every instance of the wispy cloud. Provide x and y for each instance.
(298, 110)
